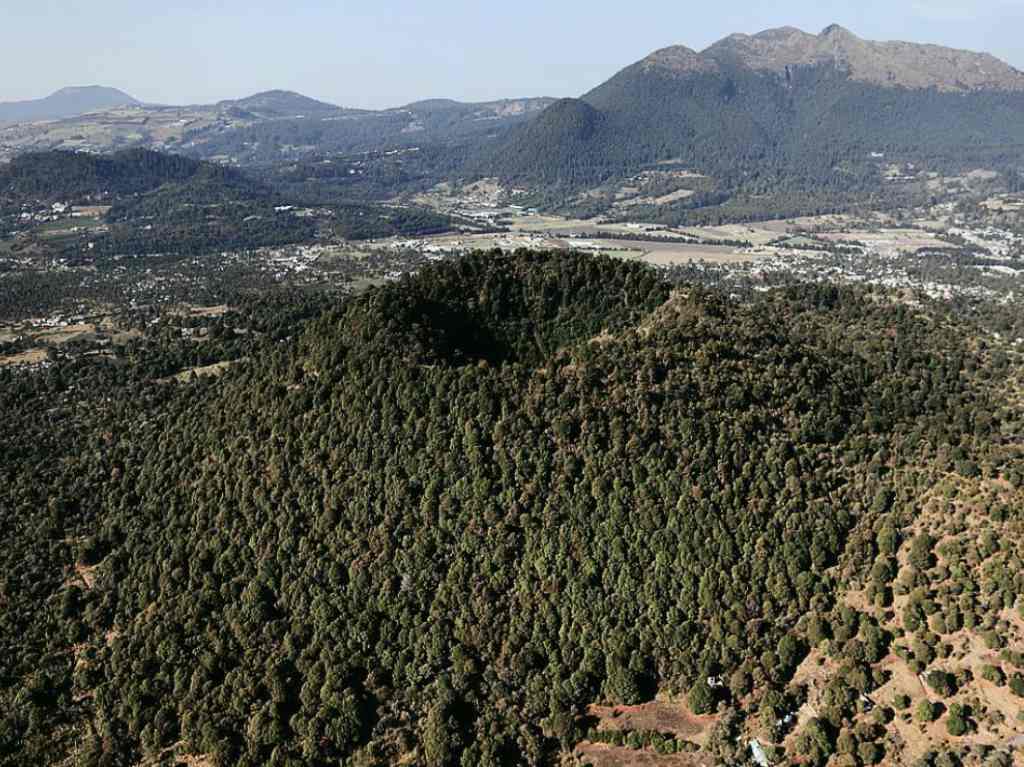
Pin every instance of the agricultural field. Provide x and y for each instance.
(793, 244)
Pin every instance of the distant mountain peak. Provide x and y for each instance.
(835, 30)
(569, 117)
(678, 59)
(67, 102)
(785, 94)
(279, 93)
(890, 64)
(280, 103)
(781, 33)
(79, 90)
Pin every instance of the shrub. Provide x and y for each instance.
(926, 712)
(1017, 685)
(701, 698)
(956, 723)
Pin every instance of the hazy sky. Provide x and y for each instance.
(377, 53)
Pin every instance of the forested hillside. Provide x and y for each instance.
(140, 202)
(816, 129)
(784, 122)
(445, 517)
(68, 176)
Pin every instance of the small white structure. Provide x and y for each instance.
(760, 755)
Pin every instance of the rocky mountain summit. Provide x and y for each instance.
(890, 64)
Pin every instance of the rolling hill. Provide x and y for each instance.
(278, 103)
(164, 203)
(267, 127)
(439, 122)
(69, 176)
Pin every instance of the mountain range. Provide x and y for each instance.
(779, 113)
(264, 127)
(782, 99)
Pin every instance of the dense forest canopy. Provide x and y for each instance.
(448, 515)
(62, 176)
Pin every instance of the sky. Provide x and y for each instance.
(383, 53)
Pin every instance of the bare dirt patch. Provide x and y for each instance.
(755, 234)
(660, 716)
(206, 371)
(666, 254)
(31, 357)
(604, 755)
(1004, 203)
(209, 311)
(197, 761)
(665, 199)
(85, 576)
(172, 752)
(189, 310)
(89, 211)
(891, 240)
(63, 335)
